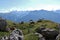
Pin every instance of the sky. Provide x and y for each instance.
(23, 5)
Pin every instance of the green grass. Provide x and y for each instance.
(4, 34)
(29, 30)
(31, 36)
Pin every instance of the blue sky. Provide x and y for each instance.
(10, 5)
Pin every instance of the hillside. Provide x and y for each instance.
(29, 28)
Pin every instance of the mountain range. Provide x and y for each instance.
(18, 16)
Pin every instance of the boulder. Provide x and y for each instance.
(16, 35)
(3, 24)
(48, 34)
(58, 37)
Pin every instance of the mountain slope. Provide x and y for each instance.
(49, 15)
(18, 16)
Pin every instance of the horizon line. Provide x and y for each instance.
(7, 11)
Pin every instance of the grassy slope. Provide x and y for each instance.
(29, 30)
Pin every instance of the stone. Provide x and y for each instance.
(3, 24)
(48, 34)
(40, 36)
(4, 38)
(58, 37)
(16, 35)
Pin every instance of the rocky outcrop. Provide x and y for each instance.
(15, 35)
(48, 34)
(44, 34)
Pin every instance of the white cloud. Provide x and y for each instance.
(45, 7)
(36, 7)
(52, 7)
(3, 11)
(14, 8)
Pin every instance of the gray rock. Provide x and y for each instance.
(16, 35)
(58, 37)
(4, 38)
(3, 24)
(49, 34)
(40, 36)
